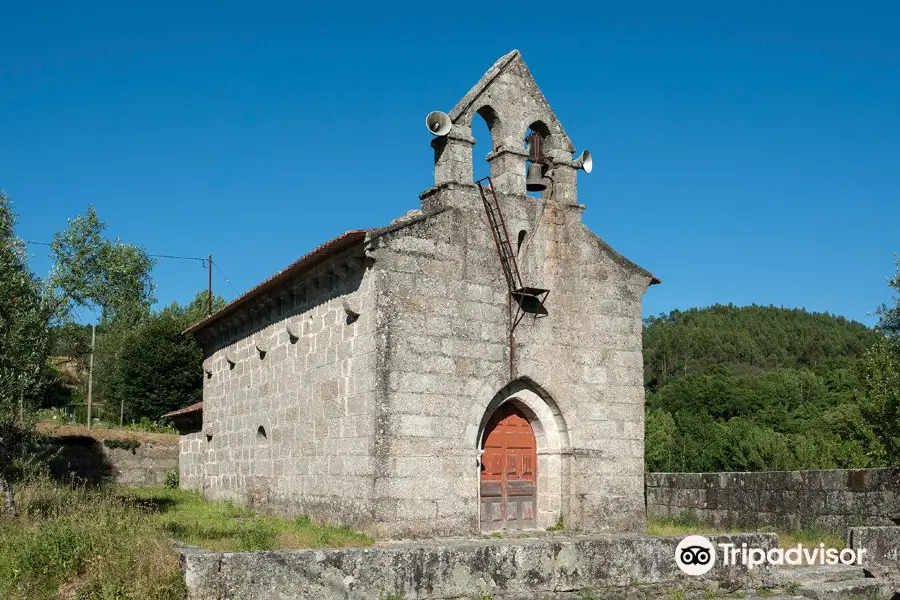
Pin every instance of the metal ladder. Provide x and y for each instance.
(528, 299)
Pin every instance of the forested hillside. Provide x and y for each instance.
(763, 388)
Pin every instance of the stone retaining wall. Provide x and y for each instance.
(882, 544)
(550, 568)
(830, 499)
(86, 459)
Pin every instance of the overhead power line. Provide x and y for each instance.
(177, 257)
(153, 255)
(216, 265)
(202, 259)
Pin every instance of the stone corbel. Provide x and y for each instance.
(294, 329)
(260, 345)
(350, 303)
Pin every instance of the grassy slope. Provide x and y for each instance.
(104, 544)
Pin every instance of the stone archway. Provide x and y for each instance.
(551, 437)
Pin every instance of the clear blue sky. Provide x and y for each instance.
(744, 152)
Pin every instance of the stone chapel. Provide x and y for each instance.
(475, 365)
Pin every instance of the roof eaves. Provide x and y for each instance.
(334, 245)
(198, 407)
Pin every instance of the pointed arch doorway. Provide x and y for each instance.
(508, 488)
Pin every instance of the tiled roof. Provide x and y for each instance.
(329, 248)
(198, 407)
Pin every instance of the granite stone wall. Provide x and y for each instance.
(828, 499)
(445, 367)
(288, 406)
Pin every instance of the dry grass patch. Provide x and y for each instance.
(688, 524)
(54, 429)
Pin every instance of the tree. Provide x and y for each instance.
(100, 274)
(762, 388)
(889, 320)
(881, 403)
(106, 276)
(25, 314)
(660, 441)
(881, 374)
(158, 368)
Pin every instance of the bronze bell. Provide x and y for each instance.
(535, 180)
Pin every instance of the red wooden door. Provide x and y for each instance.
(508, 472)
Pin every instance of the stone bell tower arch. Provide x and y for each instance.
(510, 102)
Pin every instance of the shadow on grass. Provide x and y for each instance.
(79, 459)
(156, 504)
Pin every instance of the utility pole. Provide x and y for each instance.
(91, 374)
(209, 290)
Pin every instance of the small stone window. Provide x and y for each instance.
(209, 438)
(261, 434)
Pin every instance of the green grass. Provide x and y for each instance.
(223, 526)
(104, 544)
(689, 524)
(84, 544)
(811, 537)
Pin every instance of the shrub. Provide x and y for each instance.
(172, 481)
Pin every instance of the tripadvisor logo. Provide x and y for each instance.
(696, 555)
